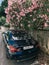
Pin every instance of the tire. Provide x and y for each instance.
(8, 56)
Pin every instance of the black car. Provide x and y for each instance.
(20, 45)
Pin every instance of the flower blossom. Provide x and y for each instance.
(47, 10)
(41, 4)
(22, 14)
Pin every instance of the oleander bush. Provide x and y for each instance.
(27, 14)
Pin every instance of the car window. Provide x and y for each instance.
(23, 42)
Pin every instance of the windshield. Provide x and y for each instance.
(22, 42)
(26, 42)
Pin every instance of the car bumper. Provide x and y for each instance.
(25, 56)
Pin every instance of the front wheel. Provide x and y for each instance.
(8, 55)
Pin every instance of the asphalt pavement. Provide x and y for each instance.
(5, 61)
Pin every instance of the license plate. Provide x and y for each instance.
(27, 47)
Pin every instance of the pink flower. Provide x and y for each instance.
(35, 5)
(30, 9)
(29, 25)
(45, 24)
(46, 17)
(23, 1)
(19, 2)
(16, 13)
(34, 19)
(6, 10)
(22, 10)
(41, 4)
(47, 10)
(34, 2)
(22, 14)
(21, 25)
(13, 16)
(10, 2)
(42, 16)
(30, 15)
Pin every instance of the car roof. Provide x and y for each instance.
(20, 31)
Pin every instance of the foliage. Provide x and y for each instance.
(4, 4)
(28, 14)
(7, 25)
(2, 20)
